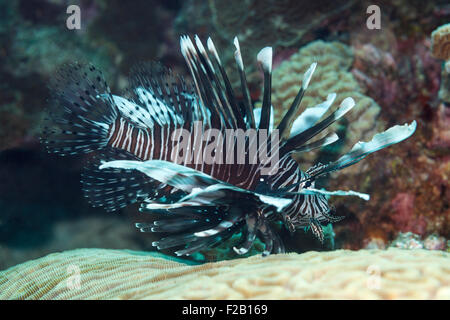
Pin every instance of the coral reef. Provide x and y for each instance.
(113, 274)
(276, 22)
(434, 242)
(31, 51)
(403, 72)
(441, 42)
(35, 42)
(409, 192)
(258, 24)
(408, 240)
(288, 24)
(374, 243)
(332, 75)
(399, 67)
(409, 183)
(414, 18)
(441, 50)
(42, 208)
(411, 240)
(441, 127)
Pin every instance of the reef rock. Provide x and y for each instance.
(441, 50)
(341, 274)
(258, 24)
(441, 42)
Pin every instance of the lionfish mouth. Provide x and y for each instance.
(160, 146)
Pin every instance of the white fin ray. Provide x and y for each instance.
(212, 50)
(237, 54)
(308, 75)
(134, 112)
(157, 108)
(257, 116)
(202, 189)
(313, 191)
(379, 141)
(329, 139)
(264, 57)
(311, 115)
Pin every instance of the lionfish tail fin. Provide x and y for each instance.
(83, 110)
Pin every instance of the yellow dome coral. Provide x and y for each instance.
(341, 274)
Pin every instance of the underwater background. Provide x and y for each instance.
(396, 74)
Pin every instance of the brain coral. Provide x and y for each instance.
(341, 274)
(332, 75)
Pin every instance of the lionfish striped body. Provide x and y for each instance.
(136, 141)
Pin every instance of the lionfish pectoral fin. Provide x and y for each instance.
(201, 189)
(166, 172)
(112, 188)
(168, 225)
(234, 216)
(195, 228)
(278, 202)
(82, 111)
(197, 245)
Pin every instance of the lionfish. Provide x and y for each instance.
(199, 204)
